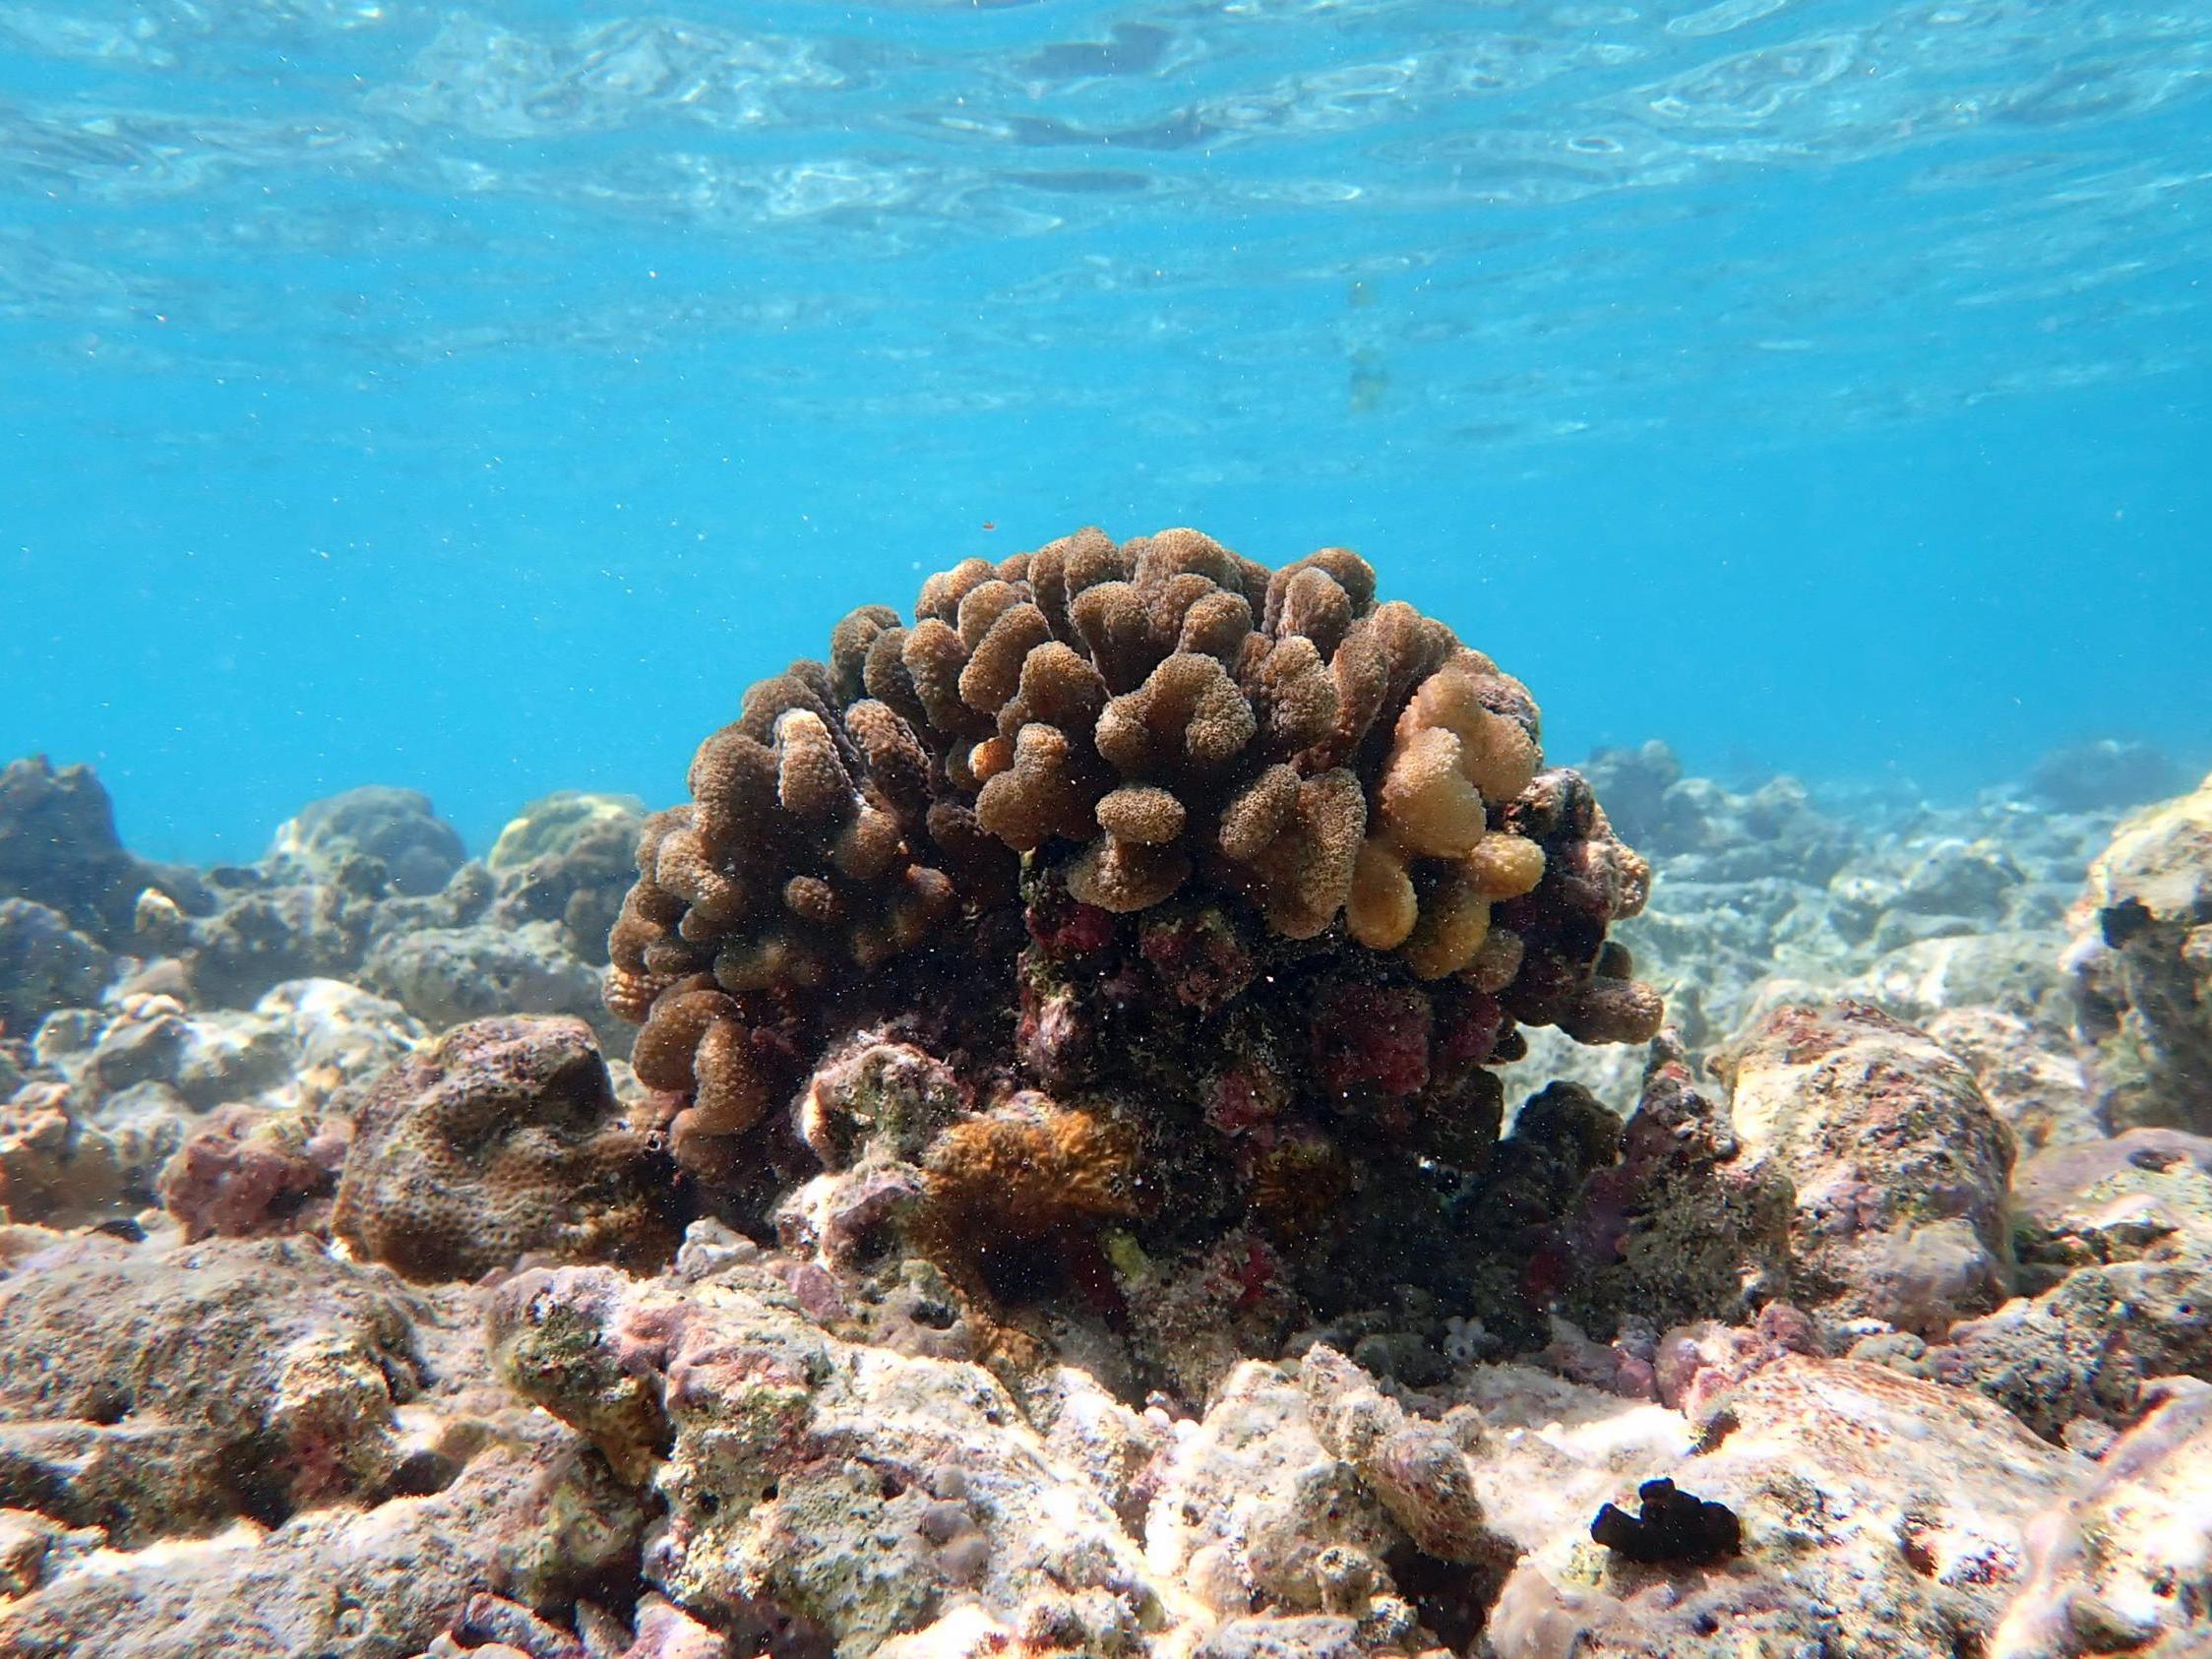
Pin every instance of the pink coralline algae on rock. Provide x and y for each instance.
(1898, 1165)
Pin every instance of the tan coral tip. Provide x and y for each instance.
(1455, 920)
(1383, 909)
(1141, 813)
(1504, 866)
(1124, 876)
(1426, 801)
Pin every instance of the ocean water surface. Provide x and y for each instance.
(477, 397)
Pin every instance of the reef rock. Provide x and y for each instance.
(1999, 1001)
(1719, 834)
(157, 1394)
(569, 857)
(445, 976)
(500, 1140)
(2123, 1565)
(849, 1493)
(2105, 775)
(45, 965)
(1879, 1517)
(2116, 1244)
(254, 1449)
(1254, 1502)
(245, 1172)
(138, 1079)
(296, 916)
(1690, 1223)
(416, 851)
(2143, 966)
(260, 936)
(56, 1164)
(1898, 1164)
(58, 848)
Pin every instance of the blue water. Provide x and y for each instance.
(478, 397)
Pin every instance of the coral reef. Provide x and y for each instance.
(1141, 1285)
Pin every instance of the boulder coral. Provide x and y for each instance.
(500, 1140)
(1221, 887)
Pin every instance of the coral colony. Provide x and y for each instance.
(1216, 890)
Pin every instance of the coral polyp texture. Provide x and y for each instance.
(1285, 854)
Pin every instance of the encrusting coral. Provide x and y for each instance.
(1285, 856)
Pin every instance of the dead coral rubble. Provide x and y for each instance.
(1286, 857)
(249, 1447)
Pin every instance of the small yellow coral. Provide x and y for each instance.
(1504, 866)
(1383, 906)
(1454, 922)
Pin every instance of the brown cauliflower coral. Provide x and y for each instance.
(1142, 721)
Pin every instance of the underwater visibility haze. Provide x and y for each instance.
(477, 398)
